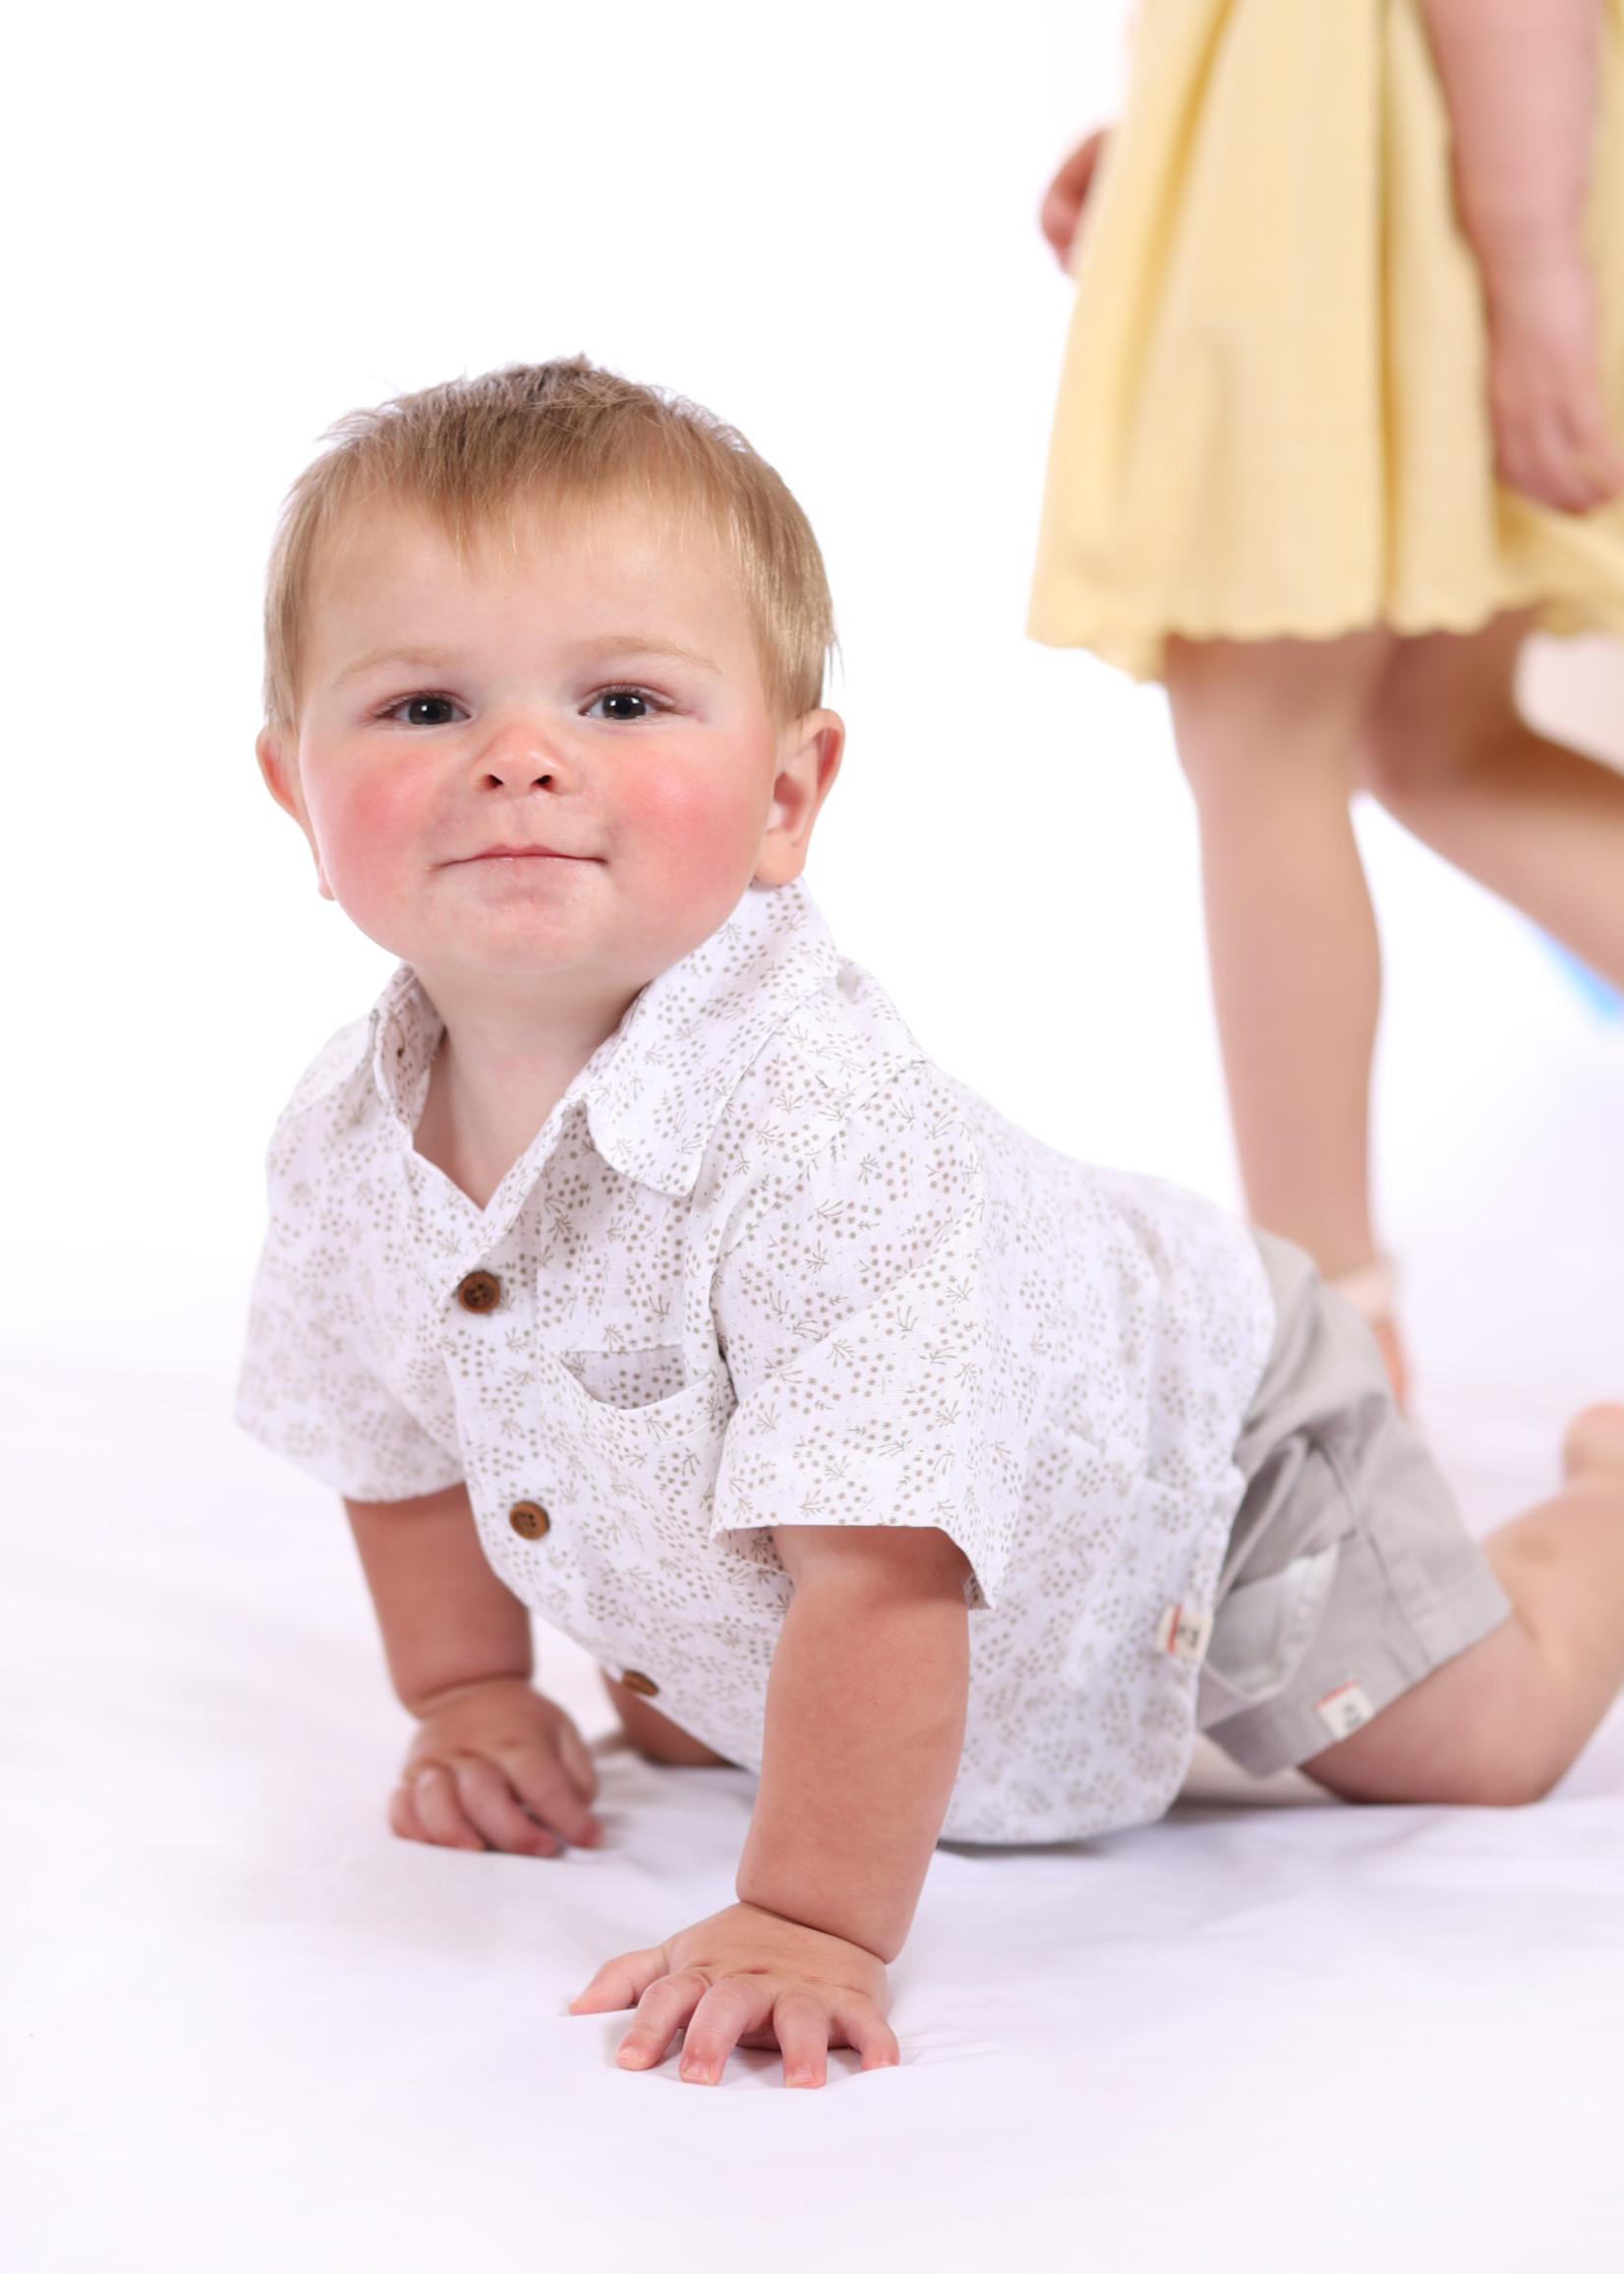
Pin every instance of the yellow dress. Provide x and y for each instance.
(1272, 413)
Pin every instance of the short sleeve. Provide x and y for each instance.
(331, 1378)
(860, 1321)
(309, 1390)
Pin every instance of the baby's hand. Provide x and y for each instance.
(748, 1977)
(1550, 429)
(496, 1764)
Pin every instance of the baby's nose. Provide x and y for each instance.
(522, 754)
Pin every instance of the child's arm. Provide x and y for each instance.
(865, 1724)
(1520, 79)
(493, 1763)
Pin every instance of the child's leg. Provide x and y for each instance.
(1448, 755)
(1267, 732)
(1503, 1722)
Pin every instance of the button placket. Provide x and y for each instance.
(480, 1292)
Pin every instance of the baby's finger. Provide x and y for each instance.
(661, 2013)
(801, 2023)
(403, 1821)
(737, 2003)
(578, 1765)
(488, 1805)
(551, 1797)
(867, 2031)
(439, 1811)
(1597, 458)
(620, 1982)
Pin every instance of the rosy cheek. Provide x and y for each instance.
(696, 829)
(366, 822)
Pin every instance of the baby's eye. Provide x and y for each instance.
(426, 710)
(619, 703)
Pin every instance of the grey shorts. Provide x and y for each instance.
(1349, 1574)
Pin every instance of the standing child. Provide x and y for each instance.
(1332, 435)
(633, 1265)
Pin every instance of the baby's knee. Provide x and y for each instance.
(1516, 1779)
(1523, 1738)
(1465, 1771)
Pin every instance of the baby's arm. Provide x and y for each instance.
(1520, 79)
(493, 1763)
(865, 1724)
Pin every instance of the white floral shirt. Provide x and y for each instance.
(765, 1264)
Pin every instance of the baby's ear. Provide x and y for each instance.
(281, 769)
(280, 777)
(808, 760)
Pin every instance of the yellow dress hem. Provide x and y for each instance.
(1273, 418)
(1139, 650)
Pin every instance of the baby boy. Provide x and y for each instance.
(631, 1265)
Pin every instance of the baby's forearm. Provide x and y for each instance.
(865, 1725)
(1520, 79)
(445, 1618)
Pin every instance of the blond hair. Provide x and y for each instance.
(476, 449)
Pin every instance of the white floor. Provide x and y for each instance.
(247, 2030)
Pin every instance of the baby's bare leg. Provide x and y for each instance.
(654, 1734)
(1500, 1724)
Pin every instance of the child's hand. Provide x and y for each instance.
(1550, 430)
(748, 1977)
(496, 1764)
(1060, 212)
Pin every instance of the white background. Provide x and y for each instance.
(246, 2029)
(230, 226)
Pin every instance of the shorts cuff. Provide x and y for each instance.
(1288, 1730)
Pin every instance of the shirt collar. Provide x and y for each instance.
(405, 1034)
(655, 1090)
(664, 1079)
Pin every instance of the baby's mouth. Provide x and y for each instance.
(519, 852)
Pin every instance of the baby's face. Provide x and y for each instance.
(556, 762)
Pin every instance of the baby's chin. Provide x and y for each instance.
(518, 946)
(511, 922)
(498, 910)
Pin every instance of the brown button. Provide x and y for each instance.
(641, 1683)
(480, 1291)
(529, 1519)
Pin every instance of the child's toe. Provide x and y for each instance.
(1594, 1440)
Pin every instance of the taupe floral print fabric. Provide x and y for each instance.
(765, 1264)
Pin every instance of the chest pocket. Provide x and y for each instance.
(627, 1377)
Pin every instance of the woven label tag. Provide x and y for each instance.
(1185, 1633)
(1345, 1709)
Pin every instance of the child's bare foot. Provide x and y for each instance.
(1594, 1443)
